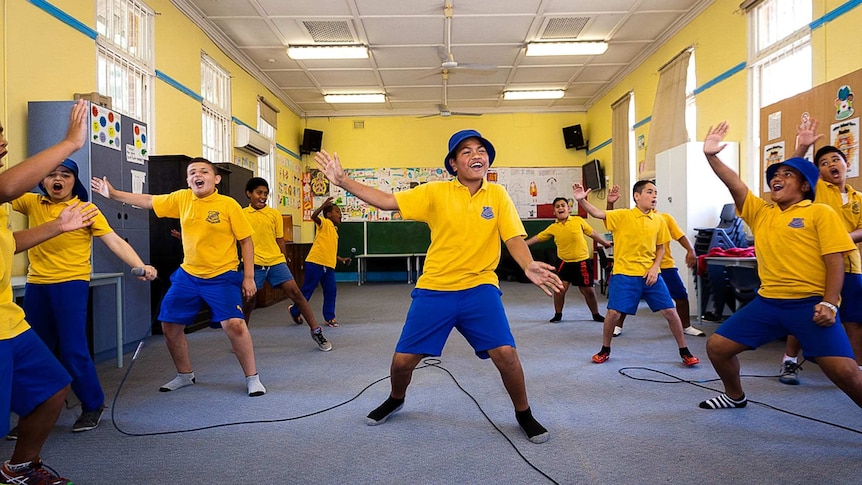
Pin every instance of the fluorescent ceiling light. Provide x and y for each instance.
(354, 98)
(546, 94)
(566, 48)
(327, 52)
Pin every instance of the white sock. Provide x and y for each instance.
(182, 379)
(255, 388)
(789, 359)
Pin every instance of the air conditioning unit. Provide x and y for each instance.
(251, 141)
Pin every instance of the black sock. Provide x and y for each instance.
(605, 350)
(557, 318)
(535, 431)
(684, 352)
(598, 317)
(388, 406)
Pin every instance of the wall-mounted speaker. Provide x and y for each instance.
(311, 141)
(574, 137)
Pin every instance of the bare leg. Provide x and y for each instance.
(612, 319)
(240, 339)
(590, 297)
(507, 362)
(675, 325)
(34, 428)
(178, 346)
(845, 373)
(247, 307)
(723, 353)
(401, 373)
(682, 310)
(792, 347)
(293, 292)
(854, 333)
(560, 298)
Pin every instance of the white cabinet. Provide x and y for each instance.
(690, 191)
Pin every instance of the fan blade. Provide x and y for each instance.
(476, 67)
(457, 113)
(428, 116)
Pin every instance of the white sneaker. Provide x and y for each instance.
(255, 388)
(178, 382)
(694, 332)
(618, 331)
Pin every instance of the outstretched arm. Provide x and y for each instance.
(599, 239)
(104, 188)
(128, 255)
(711, 147)
(72, 217)
(690, 258)
(331, 167)
(315, 216)
(25, 175)
(541, 274)
(246, 248)
(581, 197)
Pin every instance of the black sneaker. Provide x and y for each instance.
(12, 435)
(789, 373)
(88, 420)
(711, 317)
(384, 411)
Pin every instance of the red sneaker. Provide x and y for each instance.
(601, 358)
(690, 360)
(36, 473)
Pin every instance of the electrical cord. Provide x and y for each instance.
(699, 383)
(429, 362)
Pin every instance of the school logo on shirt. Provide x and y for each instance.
(797, 223)
(854, 207)
(212, 217)
(487, 213)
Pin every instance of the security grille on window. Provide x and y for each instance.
(215, 111)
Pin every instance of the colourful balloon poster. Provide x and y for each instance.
(106, 126)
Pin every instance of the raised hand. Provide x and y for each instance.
(613, 194)
(101, 186)
(579, 192)
(330, 165)
(76, 216)
(806, 133)
(78, 123)
(712, 143)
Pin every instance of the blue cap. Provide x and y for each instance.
(806, 168)
(462, 135)
(78, 188)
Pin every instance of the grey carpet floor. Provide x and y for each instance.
(605, 427)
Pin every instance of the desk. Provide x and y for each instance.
(362, 258)
(96, 279)
(748, 262)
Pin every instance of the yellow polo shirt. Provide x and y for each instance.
(636, 237)
(67, 256)
(324, 250)
(268, 226)
(850, 213)
(673, 228)
(791, 245)
(465, 231)
(568, 236)
(12, 321)
(211, 226)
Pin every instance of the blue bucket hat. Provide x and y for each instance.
(78, 189)
(806, 168)
(462, 135)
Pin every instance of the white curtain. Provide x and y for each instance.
(667, 127)
(620, 151)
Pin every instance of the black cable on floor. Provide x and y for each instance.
(430, 362)
(699, 383)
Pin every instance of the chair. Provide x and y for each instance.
(729, 233)
(744, 281)
(606, 266)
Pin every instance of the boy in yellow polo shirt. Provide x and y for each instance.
(575, 264)
(640, 239)
(800, 261)
(269, 261)
(211, 225)
(320, 262)
(55, 297)
(468, 217)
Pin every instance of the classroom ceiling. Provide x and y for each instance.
(407, 43)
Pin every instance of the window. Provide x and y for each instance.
(779, 62)
(215, 111)
(124, 50)
(266, 163)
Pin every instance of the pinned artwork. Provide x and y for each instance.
(844, 103)
(845, 137)
(106, 127)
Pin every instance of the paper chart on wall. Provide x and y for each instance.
(106, 127)
(529, 187)
(845, 137)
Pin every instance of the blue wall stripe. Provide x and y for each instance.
(601, 145)
(642, 122)
(721, 77)
(289, 152)
(176, 84)
(834, 14)
(65, 18)
(240, 122)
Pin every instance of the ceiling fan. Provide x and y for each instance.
(444, 108)
(447, 60)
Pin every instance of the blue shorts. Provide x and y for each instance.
(766, 319)
(31, 372)
(477, 313)
(276, 275)
(182, 302)
(851, 299)
(625, 292)
(674, 283)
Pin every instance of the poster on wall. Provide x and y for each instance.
(772, 153)
(106, 126)
(307, 198)
(137, 151)
(288, 182)
(845, 136)
(530, 187)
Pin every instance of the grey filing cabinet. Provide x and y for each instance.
(47, 124)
